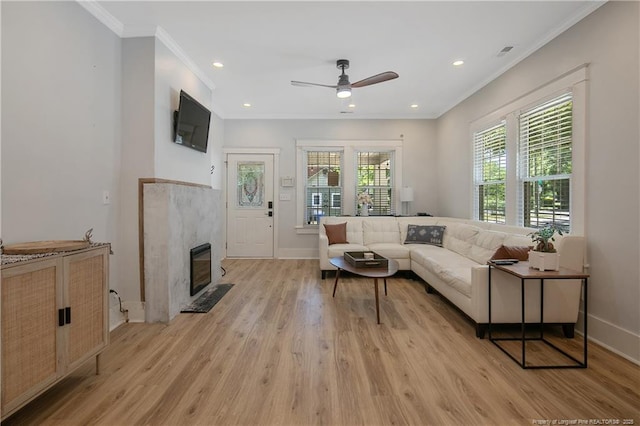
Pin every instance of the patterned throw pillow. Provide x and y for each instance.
(421, 234)
(337, 234)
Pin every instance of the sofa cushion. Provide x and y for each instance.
(337, 234)
(425, 234)
(459, 237)
(485, 244)
(518, 240)
(453, 268)
(512, 252)
(390, 250)
(380, 230)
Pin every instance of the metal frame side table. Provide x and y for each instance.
(522, 271)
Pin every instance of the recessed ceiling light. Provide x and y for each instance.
(246, 105)
(218, 64)
(414, 105)
(458, 63)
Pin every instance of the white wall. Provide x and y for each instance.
(216, 141)
(419, 162)
(607, 40)
(173, 161)
(61, 124)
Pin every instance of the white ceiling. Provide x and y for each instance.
(264, 45)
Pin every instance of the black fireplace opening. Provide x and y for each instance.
(200, 268)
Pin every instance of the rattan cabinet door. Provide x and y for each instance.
(86, 293)
(31, 335)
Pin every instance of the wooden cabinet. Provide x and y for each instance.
(54, 318)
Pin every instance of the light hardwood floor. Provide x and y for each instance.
(279, 350)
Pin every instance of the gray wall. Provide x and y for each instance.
(419, 162)
(137, 155)
(607, 40)
(61, 123)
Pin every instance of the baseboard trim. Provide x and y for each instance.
(116, 318)
(293, 253)
(612, 337)
(135, 310)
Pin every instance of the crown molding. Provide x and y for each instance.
(101, 14)
(158, 32)
(589, 8)
(174, 47)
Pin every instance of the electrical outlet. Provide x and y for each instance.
(106, 198)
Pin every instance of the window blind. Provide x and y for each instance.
(323, 185)
(490, 173)
(374, 177)
(545, 163)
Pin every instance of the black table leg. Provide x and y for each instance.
(375, 284)
(335, 285)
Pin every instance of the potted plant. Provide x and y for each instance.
(544, 255)
(364, 200)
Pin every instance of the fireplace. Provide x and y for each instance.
(200, 268)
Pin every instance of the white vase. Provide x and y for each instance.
(544, 261)
(364, 210)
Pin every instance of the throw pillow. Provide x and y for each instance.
(337, 234)
(423, 234)
(512, 252)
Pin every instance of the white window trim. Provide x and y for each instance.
(349, 148)
(574, 81)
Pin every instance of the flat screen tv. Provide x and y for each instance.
(191, 123)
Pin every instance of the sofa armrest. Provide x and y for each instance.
(480, 293)
(323, 247)
(572, 252)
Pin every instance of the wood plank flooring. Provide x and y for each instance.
(279, 350)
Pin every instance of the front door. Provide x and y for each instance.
(250, 205)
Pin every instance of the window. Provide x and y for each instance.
(529, 158)
(545, 163)
(490, 173)
(331, 174)
(375, 179)
(335, 200)
(316, 200)
(323, 185)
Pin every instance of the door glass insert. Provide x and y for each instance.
(251, 184)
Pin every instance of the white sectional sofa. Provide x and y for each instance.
(458, 270)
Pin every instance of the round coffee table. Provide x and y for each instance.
(374, 273)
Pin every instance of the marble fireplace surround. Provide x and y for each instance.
(174, 218)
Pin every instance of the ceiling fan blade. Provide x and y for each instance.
(305, 84)
(378, 78)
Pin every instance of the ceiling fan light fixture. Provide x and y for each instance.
(343, 92)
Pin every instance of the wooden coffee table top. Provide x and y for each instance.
(391, 269)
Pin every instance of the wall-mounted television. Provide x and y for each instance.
(191, 123)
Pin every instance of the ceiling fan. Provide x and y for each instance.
(343, 88)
